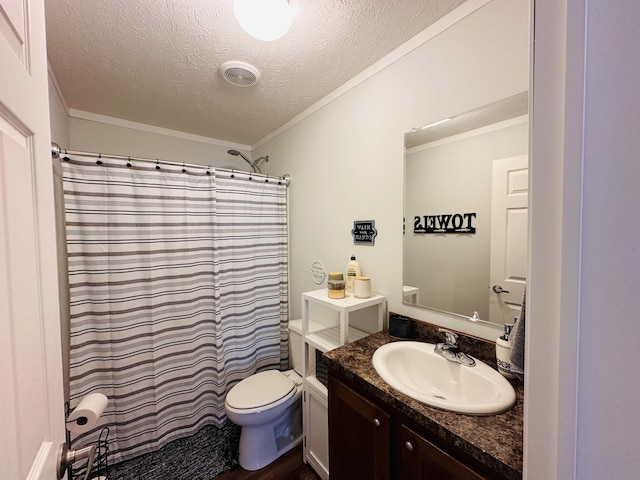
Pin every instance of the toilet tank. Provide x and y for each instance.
(295, 347)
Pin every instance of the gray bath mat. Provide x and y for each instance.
(202, 456)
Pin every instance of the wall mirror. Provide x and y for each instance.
(465, 209)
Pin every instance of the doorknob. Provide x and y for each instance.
(67, 457)
(498, 289)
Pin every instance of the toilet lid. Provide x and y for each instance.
(260, 390)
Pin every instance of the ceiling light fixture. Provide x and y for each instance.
(264, 19)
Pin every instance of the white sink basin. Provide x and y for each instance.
(415, 370)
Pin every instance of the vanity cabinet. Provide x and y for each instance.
(369, 440)
(360, 435)
(421, 459)
(327, 323)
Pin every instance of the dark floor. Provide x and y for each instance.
(289, 466)
(211, 453)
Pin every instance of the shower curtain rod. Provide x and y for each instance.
(57, 152)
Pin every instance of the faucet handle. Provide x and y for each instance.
(450, 337)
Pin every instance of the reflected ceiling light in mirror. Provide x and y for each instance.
(498, 111)
(265, 20)
(439, 122)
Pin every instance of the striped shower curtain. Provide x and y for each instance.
(178, 287)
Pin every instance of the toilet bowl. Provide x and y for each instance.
(268, 407)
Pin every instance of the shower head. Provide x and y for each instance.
(258, 161)
(236, 153)
(255, 166)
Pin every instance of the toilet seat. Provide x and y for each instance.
(261, 390)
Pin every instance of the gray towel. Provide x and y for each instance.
(516, 340)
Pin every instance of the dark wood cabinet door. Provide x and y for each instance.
(421, 460)
(359, 436)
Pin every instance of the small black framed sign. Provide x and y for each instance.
(364, 232)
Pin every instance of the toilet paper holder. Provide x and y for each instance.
(81, 419)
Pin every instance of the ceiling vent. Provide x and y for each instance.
(240, 74)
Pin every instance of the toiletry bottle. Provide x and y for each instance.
(353, 271)
(503, 352)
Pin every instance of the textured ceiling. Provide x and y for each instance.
(156, 62)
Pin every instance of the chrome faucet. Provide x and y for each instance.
(451, 350)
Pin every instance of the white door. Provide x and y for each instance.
(509, 220)
(31, 398)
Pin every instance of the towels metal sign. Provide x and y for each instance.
(445, 223)
(364, 232)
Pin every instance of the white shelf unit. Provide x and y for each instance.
(323, 334)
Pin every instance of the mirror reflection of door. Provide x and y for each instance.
(509, 219)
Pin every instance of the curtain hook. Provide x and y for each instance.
(99, 162)
(184, 170)
(129, 162)
(157, 164)
(233, 175)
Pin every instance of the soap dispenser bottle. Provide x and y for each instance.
(503, 352)
(353, 271)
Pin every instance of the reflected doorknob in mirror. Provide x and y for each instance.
(498, 289)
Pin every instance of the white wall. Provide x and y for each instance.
(608, 379)
(97, 133)
(58, 116)
(580, 420)
(549, 416)
(59, 124)
(450, 176)
(347, 158)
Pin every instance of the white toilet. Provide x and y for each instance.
(268, 407)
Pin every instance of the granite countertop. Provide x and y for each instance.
(495, 440)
